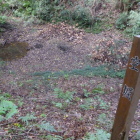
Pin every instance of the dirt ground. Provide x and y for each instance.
(60, 47)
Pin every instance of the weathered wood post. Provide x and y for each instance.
(130, 95)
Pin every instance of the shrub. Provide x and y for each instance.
(56, 11)
(130, 22)
(66, 15)
(82, 17)
(2, 22)
(45, 11)
(48, 10)
(24, 8)
(122, 21)
(2, 19)
(134, 22)
(3, 6)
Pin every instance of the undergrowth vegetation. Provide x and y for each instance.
(67, 104)
(82, 14)
(32, 122)
(7, 109)
(129, 22)
(16, 111)
(42, 11)
(103, 71)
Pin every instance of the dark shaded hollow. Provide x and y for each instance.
(13, 51)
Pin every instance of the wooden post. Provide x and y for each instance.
(130, 95)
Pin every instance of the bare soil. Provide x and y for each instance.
(59, 47)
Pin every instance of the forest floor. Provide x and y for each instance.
(73, 104)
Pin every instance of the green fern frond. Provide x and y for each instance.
(67, 96)
(99, 135)
(46, 126)
(7, 109)
(27, 118)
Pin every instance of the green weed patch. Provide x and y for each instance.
(87, 71)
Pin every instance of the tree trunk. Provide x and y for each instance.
(119, 5)
(125, 5)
